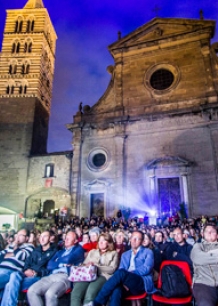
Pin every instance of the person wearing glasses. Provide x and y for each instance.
(204, 256)
(133, 277)
(14, 260)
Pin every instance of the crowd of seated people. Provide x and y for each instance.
(128, 254)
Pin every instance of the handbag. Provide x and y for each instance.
(83, 273)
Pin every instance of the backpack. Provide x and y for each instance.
(174, 283)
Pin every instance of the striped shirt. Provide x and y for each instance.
(17, 261)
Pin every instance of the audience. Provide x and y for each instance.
(173, 240)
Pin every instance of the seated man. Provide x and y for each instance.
(57, 283)
(204, 256)
(161, 244)
(14, 259)
(34, 269)
(133, 277)
(179, 249)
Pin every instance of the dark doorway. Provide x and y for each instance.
(48, 206)
(169, 195)
(97, 204)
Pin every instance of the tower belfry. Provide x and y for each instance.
(27, 64)
(26, 78)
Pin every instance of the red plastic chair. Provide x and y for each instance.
(186, 271)
(136, 299)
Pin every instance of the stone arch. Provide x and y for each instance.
(35, 201)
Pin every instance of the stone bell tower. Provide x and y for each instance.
(26, 78)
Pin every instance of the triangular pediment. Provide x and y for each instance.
(163, 28)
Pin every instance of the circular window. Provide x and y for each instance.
(98, 159)
(161, 79)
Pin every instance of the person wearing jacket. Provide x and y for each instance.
(13, 264)
(106, 259)
(34, 269)
(204, 256)
(180, 249)
(56, 284)
(133, 277)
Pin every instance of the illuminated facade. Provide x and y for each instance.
(151, 141)
(30, 179)
(148, 144)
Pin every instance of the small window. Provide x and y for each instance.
(32, 25)
(18, 26)
(25, 68)
(18, 48)
(49, 170)
(161, 79)
(12, 68)
(13, 48)
(28, 47)
(8, 90)
(99, 160)
(22, 89)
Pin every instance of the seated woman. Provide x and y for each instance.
(106, 259)
(92, 244)
(121, 244)
(147, 243)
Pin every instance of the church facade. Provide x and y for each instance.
(148, 145)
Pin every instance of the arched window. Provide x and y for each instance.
(19, 25)
(25, 47)
(13, 48)
(49, 170)
(10, 88)
(25, 68)
(28, 47)
(13, 68)
(18, 48)
(30, 26)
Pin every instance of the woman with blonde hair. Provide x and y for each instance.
(106, 259)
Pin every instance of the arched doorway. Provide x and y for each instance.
(48, 207)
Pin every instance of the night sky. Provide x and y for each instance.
(85, 29)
